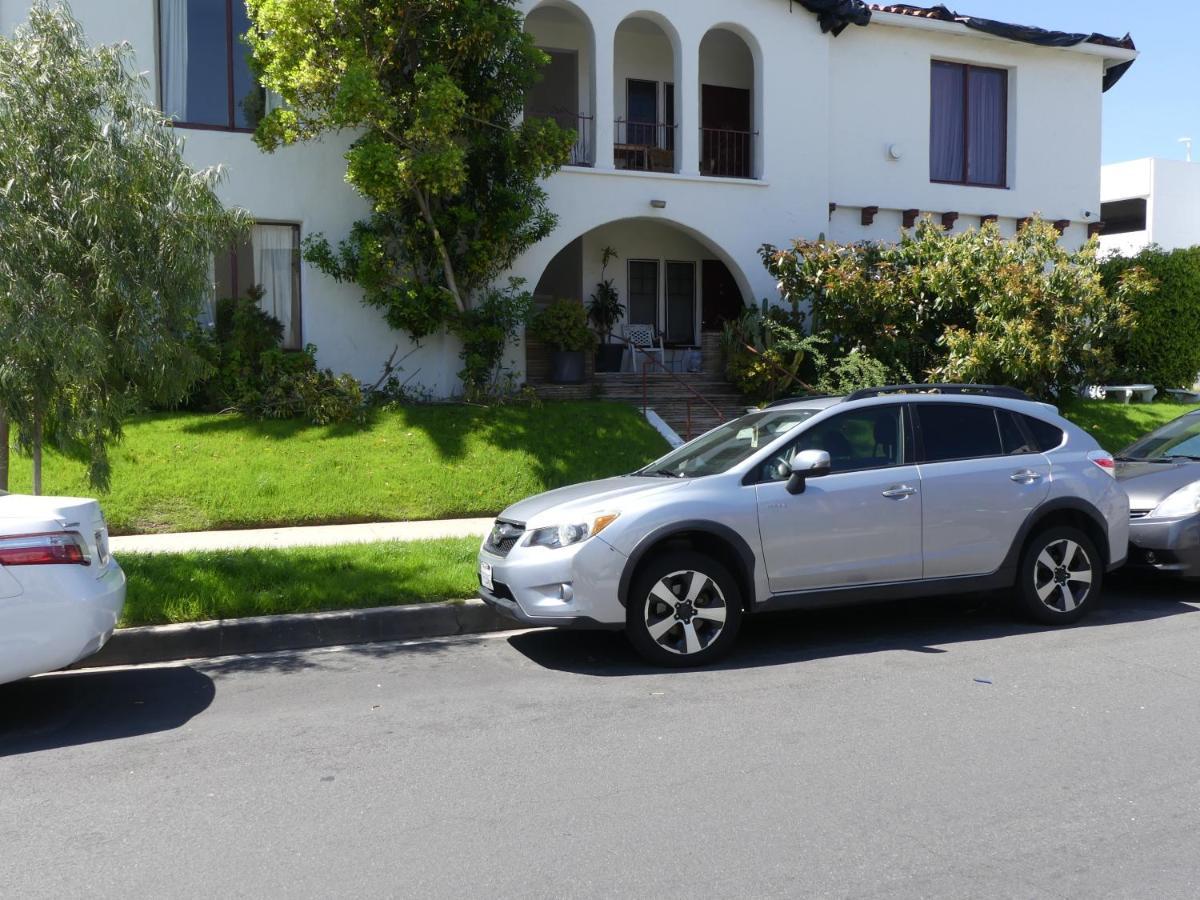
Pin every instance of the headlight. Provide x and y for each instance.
(1184, 502)
(573, 533)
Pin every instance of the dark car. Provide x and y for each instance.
(1161, 474)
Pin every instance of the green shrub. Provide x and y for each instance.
(485, 331)
(564, 325)
(1163, 347)
(971, 307)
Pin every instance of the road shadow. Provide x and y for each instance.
(74, 708)
(317, 659)
(929, 625)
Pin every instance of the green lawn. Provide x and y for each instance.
(187, 472)
(1117, 425)
(193, 587)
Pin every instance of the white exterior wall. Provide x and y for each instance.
(825, 110)
(1171, 188)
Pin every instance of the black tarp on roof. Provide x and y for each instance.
(835, 15)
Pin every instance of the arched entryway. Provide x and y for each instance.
(730, 104)
(666, 275)
(645, 96)
(567, 89)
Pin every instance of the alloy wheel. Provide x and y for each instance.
(1062, 575)
(685, 612)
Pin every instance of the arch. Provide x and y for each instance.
(731, 137)
(561, 28)
(536, 260)
(647, 79)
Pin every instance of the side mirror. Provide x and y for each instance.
(807, 464)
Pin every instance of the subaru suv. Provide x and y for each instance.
(891, 492)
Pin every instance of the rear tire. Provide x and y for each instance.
(683, 609)
(1060, 577)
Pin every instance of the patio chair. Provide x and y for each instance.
(648, 340)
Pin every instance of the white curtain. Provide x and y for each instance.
(275, 269)
(988, 124)
(174, 50)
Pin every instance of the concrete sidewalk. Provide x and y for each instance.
(308, 536)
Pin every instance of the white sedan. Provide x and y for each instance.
(61, 592)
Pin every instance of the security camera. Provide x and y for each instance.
(1087, 213)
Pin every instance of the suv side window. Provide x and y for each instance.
(871, 438)
(1045, 435)
(958, 431)
(1013, 437)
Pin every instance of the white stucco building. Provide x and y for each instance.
(706, 128)
(1150, 201)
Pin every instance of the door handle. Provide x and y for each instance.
(1026, 476)
(899, 492)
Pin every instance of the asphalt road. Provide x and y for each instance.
(922, 749)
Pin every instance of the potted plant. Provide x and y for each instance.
(604, 311)
(563, 325)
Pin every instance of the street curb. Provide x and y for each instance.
(263, 634)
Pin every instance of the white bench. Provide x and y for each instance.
(1183, 395)
(1145, 392)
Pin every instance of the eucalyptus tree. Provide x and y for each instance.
(107, 238)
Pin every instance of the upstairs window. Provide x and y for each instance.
(968, 125)
(1124, 216)
(205, 65)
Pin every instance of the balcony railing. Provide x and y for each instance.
(644, 146)
(582, 125)
(726, 154)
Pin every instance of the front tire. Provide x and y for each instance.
(683, 609)
(1060, 577)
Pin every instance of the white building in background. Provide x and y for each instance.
(1149, 201)
(706, 128)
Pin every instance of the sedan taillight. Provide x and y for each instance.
(54, 548)
(1105, 461)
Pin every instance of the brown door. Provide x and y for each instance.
(722, 301)
(725, 129)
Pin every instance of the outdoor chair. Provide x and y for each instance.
(647, 339)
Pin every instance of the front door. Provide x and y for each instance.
(860, 524)
(721, 298)
(980, 480)
(725, 131)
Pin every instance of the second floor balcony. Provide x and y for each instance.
(638, 99)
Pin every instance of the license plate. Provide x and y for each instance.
(485, 576)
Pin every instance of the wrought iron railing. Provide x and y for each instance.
(692, 393)
(725, 153)
(644, 146)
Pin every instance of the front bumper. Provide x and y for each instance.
(570, 587)
(1169, 546)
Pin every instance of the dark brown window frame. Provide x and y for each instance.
(966, 74)
(297, 301)
(230, 99)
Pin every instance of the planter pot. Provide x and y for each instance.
(609, 356)
(566, 367)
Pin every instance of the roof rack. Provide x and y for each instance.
(984, 390)
(798, 399)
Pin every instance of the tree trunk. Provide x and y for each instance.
(4, 452)
(447, 264)
(37, 454)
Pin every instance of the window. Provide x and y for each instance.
(864, 439)
(968, 125)
(1045, 435)
(642, 113)
(1013, 439)
(205, 70)
(681, 302)
(269, 259)
(953, 431)
(643, 292)
(1124, 216)
(729, 444)
(669, 115)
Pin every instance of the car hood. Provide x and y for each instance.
(608, 494)
(1148, 484)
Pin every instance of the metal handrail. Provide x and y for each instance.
(691, 390)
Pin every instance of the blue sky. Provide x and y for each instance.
(1158, 100)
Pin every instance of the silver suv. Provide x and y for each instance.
(902, 491)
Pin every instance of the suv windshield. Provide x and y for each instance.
(725, 447)
(1179, 438)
